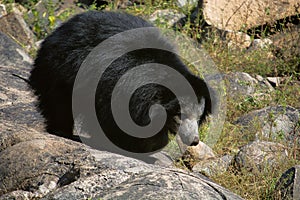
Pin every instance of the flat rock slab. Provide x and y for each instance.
(243, 14)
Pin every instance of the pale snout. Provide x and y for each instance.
(188, 132)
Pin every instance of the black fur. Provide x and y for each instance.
(60, 57)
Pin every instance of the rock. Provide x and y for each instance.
(14, 25)
(167, 17)
(194, 154)
(260, 44)
(38, 44)
(242, 84)
(259, 156)
(73, 171)
(12, 55)
(163, 159)
(238, 40)
(37, 165)
(214, 166)
(275, 81)
(18, 195)
(182, 3)
(17, 111)
(2, 10)
(200, 152)
(274, 122)
(238, 14)
(288, 186)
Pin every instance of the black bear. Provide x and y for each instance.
(62, 54)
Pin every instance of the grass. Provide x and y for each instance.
(247, 184)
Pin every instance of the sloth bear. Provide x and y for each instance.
(62, 54)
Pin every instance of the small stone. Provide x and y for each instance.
(275, 81)
(200, 152)
(238, 40)
(182, 3)
(2, 10)
(214, 166)
(167, 16)
(260, 44)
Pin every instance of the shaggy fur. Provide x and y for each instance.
(62, 53)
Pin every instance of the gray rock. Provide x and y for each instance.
(14, 25)
(214, 166)
(200, 152)
(12, 54)
(163, 159)
(238, 40)
(182, 3)
(2, 10)
(167, 17)
(259, 156)
(18, 195)
(242, 84)
(260, 44)
(16, 102)
(73, 171)
(274, 122)
(139, 181)
(288, 186)
(274, 81)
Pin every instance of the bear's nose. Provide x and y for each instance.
(195, 141)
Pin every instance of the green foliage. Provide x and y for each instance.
(44, 23)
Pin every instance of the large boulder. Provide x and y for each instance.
(241, 84)
(260, 156)
(239, 14)
(278, 123)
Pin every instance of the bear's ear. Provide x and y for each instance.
(202, 90)
(201, 107)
